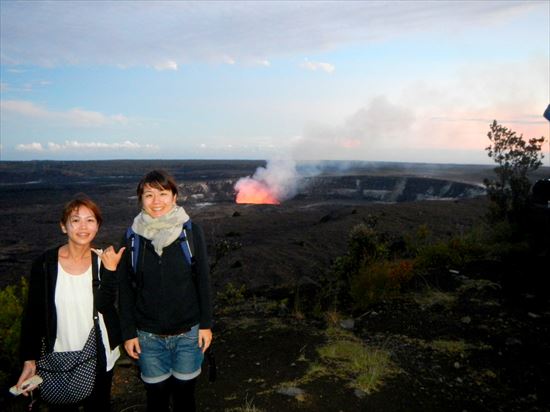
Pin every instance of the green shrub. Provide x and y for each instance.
(376, 268)
(414, 242)
(231, 295)
(364, 247)
(379, 280)
(12, 302)
(438, 256)
(222, 248)
(454, 253)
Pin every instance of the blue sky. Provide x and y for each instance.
(416, 81)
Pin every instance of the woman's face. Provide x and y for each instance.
(81, 226)
(157, 202)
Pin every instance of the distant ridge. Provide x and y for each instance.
(51, 171)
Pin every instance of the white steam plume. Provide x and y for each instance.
(279, 179)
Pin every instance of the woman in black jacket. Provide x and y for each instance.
(59, 311)
(165, 307)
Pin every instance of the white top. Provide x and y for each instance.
(75, 308)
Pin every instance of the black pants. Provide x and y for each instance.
(182, 394)
(98, 401)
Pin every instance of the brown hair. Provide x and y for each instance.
(158, 179)
(81, 200)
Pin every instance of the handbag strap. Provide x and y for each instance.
(95, 285)
(101, 360)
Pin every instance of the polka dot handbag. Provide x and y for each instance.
(69, 377)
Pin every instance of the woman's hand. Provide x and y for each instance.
(205, 339)
(29, 370)
(132, 348)
(109, 258)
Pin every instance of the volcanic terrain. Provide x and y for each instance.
(460, 341)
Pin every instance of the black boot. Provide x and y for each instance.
(183, 393)
(158, 396)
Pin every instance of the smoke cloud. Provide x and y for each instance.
(273, 184)
(372, 129)
(366, 129)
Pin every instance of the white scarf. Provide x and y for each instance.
(163, 230)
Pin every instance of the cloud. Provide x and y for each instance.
(166, 65)
(257, 147)
(437, 119)
(228, 60)
(76, 116)
(23, 108)
(379, 124)
(263, 62)
(25, 87)
(458, 115)
(72, 145)
(127, 34)
(314, 66)
(31, 147)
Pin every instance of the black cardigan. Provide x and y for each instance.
(40, 318)
(165, 296)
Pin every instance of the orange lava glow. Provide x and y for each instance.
(255, 192)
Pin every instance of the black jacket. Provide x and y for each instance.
(165, 296)
(40, 317)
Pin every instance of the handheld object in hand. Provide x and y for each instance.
(30, 383)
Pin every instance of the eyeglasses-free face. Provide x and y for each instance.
(157, 202)
(81, 226)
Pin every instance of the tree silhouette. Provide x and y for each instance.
(516, 158)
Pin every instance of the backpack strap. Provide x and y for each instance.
(186, 243)
(134, 246)
(185, 239)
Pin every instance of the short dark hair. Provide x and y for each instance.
(79, 200)
(159, 179)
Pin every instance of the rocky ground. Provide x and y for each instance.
(472, 339)
(462, 346)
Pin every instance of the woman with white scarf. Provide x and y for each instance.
(165, 306)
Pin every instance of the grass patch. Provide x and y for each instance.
(457, 346)
(478, 285)
(450, 346)
(245, 323)
(434, 297)
(366, 367)
(247, 407)
(316, 370)
(348, 358)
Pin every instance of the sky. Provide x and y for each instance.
(407, 81)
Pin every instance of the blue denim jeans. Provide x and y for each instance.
(173, 355)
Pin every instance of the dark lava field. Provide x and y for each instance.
(463, 341)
